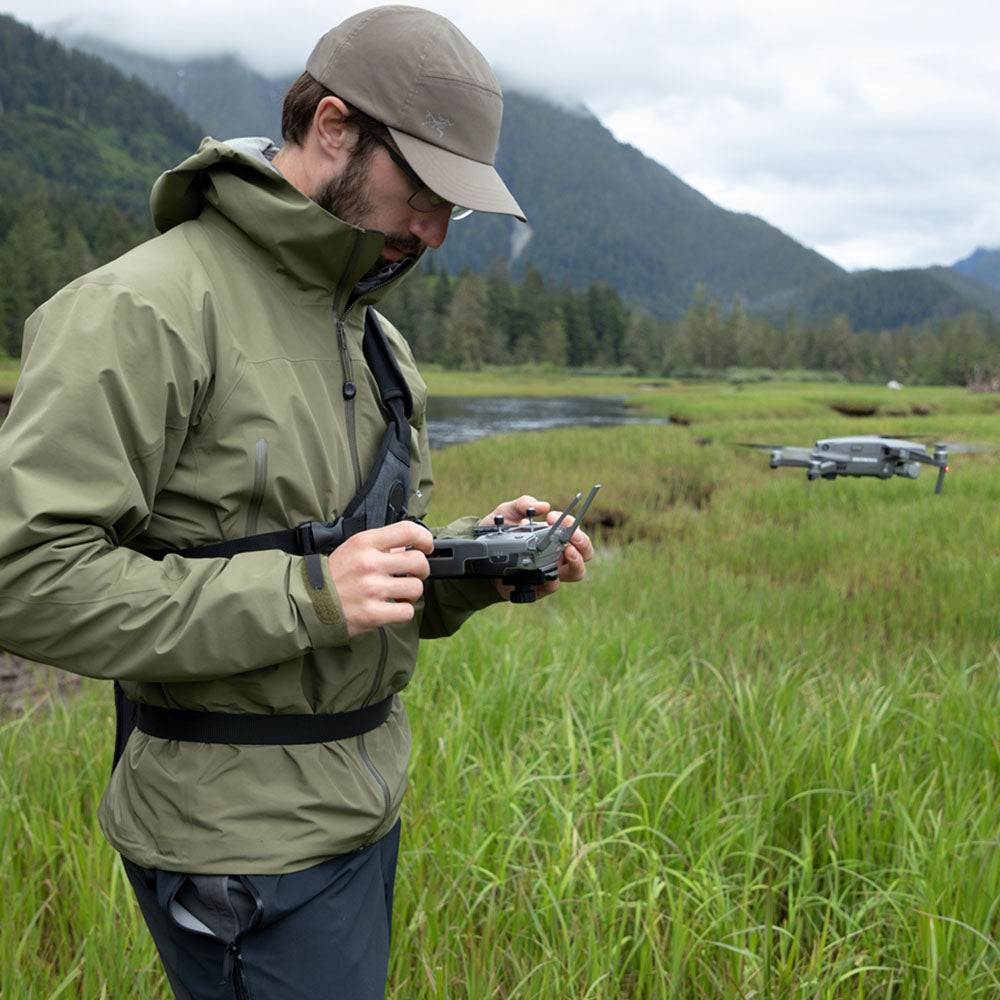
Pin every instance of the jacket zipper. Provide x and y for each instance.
(233, 953)
(349, 393)
(362, 749)
(350, 390)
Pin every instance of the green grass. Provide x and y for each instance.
(528, 381)
(9, 371)
(753, 755)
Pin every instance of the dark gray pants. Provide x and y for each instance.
(318, 934)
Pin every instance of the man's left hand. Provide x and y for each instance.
(578, 552)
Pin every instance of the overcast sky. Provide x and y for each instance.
(866, 129)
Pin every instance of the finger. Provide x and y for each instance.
(515, 511)
(373, 591)
(401, 535)
(572, 567)
(375, 614)
(523, 504)
(582, 543)
(403, 589)
(407, 562)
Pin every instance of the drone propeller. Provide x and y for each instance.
(784, 454)
(967, 447)
(953, 447)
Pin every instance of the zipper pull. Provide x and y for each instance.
(350, 389)
(229, 962)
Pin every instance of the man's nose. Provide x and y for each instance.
(432, 227)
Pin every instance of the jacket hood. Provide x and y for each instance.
(309, 243)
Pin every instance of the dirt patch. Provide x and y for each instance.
(22, 683)
(855, 409)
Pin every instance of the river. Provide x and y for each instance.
(456, 419)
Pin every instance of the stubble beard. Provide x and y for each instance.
(347, 198)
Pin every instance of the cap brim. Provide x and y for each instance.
(458, 179)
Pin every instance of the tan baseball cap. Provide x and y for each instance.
(415, 72)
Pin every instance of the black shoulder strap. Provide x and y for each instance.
(384, 366)
(386, 492)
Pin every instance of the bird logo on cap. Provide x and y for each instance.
(431, 120)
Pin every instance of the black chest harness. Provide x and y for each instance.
(382, 500)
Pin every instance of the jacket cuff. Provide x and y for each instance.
(320, 608)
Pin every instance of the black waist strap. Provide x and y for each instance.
(259, 730)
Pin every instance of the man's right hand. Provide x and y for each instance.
(380, 573)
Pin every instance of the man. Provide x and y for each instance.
(217, 385)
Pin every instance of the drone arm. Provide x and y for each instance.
(939, 459)
(800, 457)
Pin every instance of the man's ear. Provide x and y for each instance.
(334, 137)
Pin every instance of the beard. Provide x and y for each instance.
(346, 197)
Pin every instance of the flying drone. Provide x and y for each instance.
(863, 455)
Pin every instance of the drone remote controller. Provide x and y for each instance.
(520, 555)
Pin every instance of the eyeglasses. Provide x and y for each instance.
(423, 199)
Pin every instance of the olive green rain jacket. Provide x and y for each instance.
(189, 392)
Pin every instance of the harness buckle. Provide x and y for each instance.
(319, 536)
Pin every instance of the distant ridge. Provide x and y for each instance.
(984, 265)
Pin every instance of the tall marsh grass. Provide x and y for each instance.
(754, 754)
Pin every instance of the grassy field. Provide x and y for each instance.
(754, 755)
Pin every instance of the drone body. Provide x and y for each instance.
(863, 455)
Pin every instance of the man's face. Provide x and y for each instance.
(372, 192)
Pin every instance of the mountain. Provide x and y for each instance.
(82, 145)
(984, 265)
(72, 121)
(220, 93)
(598, 209)
(887, 300)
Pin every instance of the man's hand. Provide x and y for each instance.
(573, 561)
(380, 573)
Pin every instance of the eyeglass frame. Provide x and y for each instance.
(436, 201)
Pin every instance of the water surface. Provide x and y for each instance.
(454, 419)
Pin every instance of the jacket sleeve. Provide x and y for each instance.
(108, 391)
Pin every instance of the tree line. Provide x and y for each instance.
(51, 234)
(476, 320)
